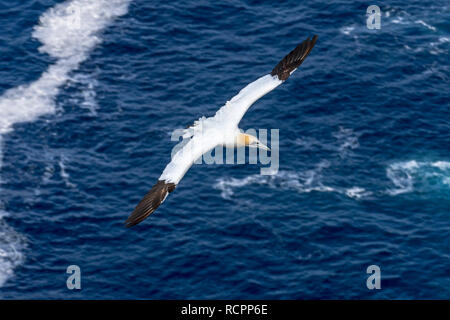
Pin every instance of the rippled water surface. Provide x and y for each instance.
(86, 114)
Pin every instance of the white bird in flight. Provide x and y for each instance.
(219, 130)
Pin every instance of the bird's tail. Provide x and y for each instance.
(294, 59)
(150, 202)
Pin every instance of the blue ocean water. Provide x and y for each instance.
(86, 113)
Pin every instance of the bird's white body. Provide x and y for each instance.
(219, 130)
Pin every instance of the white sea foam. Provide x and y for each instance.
(304, 181)
(443, 165)
(64, 175)
(405, 177)
(400, 174)
(86, 95)
(347, 139)
(403, 19)
(284, 179)
(399, 20)
(68, 32)
(438, 47)
(347, 30)
(394, 20)
(48, 173)
(301, 182)
(428, 26)
(12, 247)
(357, 192)
(426, 175)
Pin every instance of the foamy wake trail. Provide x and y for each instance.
(68, 32)
(301, 182)
(405, 177)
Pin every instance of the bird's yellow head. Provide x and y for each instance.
(247, 140)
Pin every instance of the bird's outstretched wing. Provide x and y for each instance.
(229, 115)
(182, 160)
(233, 111)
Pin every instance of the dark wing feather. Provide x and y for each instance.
(150, 202)
(294, 59)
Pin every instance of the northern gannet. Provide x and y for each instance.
(219, 130)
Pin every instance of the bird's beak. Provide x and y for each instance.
(263, 146)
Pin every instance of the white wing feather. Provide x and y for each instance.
(233, 111)
(186, 156)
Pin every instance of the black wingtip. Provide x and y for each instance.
(150, 202)
(294, 59)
